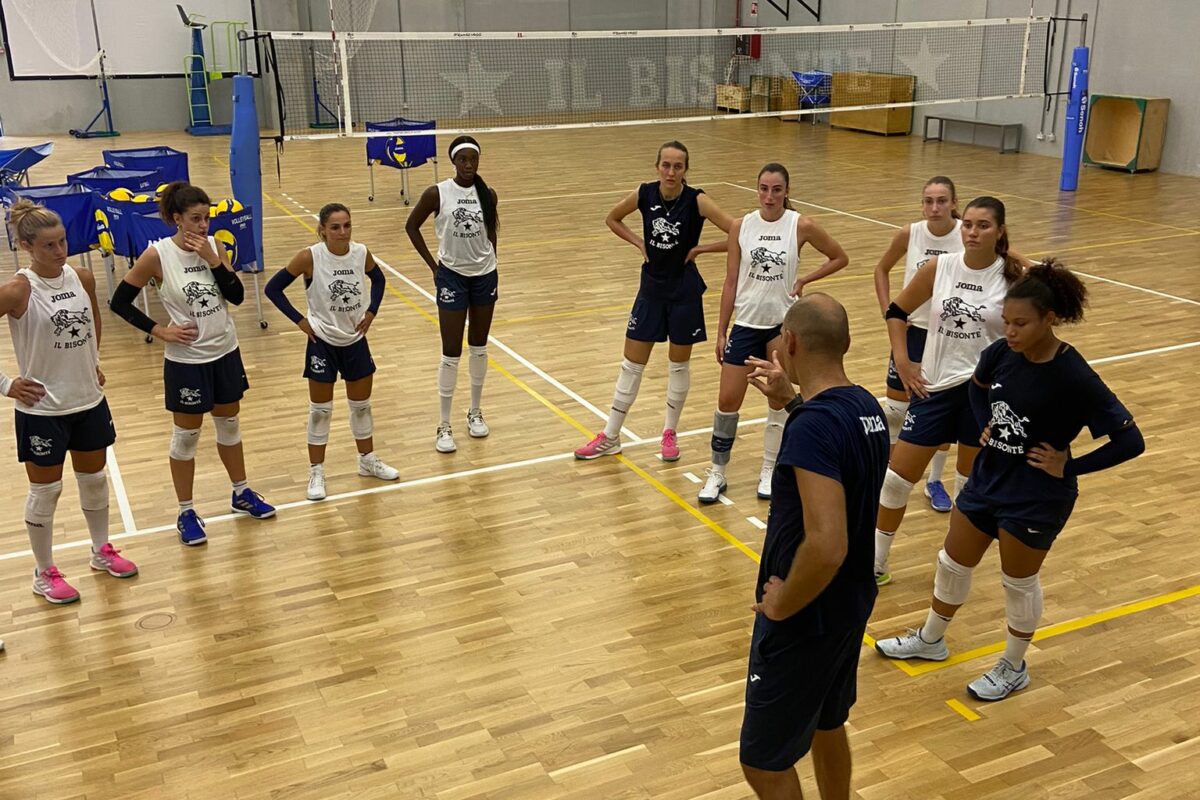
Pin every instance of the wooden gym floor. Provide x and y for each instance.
(508, 623)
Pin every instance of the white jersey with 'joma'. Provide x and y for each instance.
(55, 344)
(463, 243)
(190, 293)
(922, 246)
(767, 272)
(337, 295)
(964, 319)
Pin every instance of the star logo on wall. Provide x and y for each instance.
(924, 65)
(477, 86)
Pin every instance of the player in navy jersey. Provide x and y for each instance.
(1035, 394)
(816, 586)
(669, 304)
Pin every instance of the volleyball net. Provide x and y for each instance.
(333, 82)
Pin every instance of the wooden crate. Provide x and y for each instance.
(870, 88)
(789, 98)
(1126, 132)
(766, 93)
(733, 97)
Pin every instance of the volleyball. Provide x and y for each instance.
(120, 193)
(161, 188)
(144, 198)
(225, 206)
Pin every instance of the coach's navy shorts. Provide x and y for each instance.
(916, 350)
(745, 342)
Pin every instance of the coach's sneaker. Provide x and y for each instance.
(108, 559)
(316, 482)
(251, 502)
(999, 682)
(191, 528)
(670, 445)
(476, 427)
(939, 500)
(444, 443)
(50, 584)
(911, 645)
(600, 446)
(764, 482)
(714, 486)
(369, 466)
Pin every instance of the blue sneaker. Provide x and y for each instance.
(251, 502)
(191, 528)
(939, 500)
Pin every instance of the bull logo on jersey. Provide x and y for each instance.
(764, 260)
(64, 319)
(316, 363)
(198, 293)
(342, 291)
(1006, 423)
(469, 221)
(39, 446)
(662, 228)
(959, 308)
(189, 397)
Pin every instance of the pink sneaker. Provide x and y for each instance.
(107, 559)
(49, 583)
(670, 447)
(600, 446)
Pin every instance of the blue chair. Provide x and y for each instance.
(15, 164)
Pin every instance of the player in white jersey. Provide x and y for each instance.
(918, 242)
(965, 292)
(340, 312)
(60, 406)
(464, 276)
(202, 365)
(761, 281)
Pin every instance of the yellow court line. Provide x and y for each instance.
(1053, 252)
(959, 708)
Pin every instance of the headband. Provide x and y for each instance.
(463, 146)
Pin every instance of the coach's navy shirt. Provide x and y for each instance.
(842, 435)
(670, 230)
(1034, 403)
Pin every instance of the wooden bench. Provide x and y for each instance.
(1004, 127)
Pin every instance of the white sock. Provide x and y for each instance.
(240, 486)
(773, 436)
(679, 380)
(94, 487)
(960, 481)
(629, 380)
(934, 628)
(936, 465)
(1014, 649)
(447, 378)
(185, 505)
(40, 506)
(883, 548)
(477, 364)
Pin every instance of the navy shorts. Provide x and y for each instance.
(196, 388)
(455, 292)
(1034, 525)
(45, 440)
(653, 319)
(745, 342)
(943, 417)
(797, 684)
(916, 351)
(323, 362)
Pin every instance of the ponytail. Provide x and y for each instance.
(1050, 286)
(27, 219)
(178, 197)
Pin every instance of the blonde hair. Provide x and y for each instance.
(27, 218)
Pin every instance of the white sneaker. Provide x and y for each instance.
(714, 485)
(764, 483)
(316, 482)
(369, 466)
(911, 645)
(445, 439)
(999, 682)
(475, 424)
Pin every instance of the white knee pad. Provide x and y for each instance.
(41, 501)
(1023, 602)
(229, 430)
(679, 377)
(477, 364)
(895, 491)
(93, 490)
(184, 442)
(362, 424)
(628, 381)
(952, 581)
(893, 412)
(447, 375)
(960, 481)
(319, 417)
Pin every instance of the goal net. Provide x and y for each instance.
(334, 82)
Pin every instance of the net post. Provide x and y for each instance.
(1076, 121)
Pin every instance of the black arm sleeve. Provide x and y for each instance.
(229, 284)
(122, 305)
(276, 294)
(378, 282)
(1121, 446)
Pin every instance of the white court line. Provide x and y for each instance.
(756, 522)
(1133, 286)
(114, 472)
(597, 760)
(691, 477)
(378, 209)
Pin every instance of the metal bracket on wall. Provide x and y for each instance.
(786, 9)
